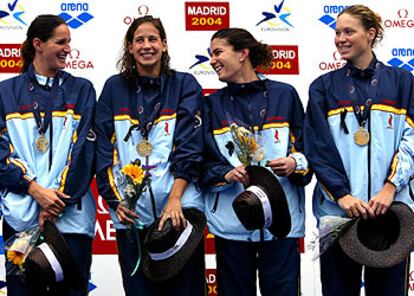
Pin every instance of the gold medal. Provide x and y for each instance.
(41, 143)
(361, 137)
(144, 148)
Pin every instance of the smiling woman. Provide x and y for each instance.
(45, 173)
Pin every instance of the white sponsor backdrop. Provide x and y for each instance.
(97, 38)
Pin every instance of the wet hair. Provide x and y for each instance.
(42, 27)
(260, 54)
(368, 18)
(126, 63)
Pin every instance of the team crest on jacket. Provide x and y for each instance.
(277, 137)
(230, 147)
(167, 129)
(390, 120)
(91, 136)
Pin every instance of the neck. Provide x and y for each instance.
(363, 61)
(246, 76)
(42, 70)
(152, 72)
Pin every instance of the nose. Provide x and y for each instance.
(67, 48)
(212, 60)
(146, 43)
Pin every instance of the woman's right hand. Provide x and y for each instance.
(238, 174)
(355, 207)
(125, 215)
(48, 199)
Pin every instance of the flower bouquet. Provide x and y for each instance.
(329, 231)
(134, 179)
(247, 148)
(18, 247)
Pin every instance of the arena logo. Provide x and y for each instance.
(80, 19)
(402, 58)
(142, 10)
(285, 60)
(11, 15)
(336, 63)
(277, 19)
(202, 64)
(330, 14)
(403, 21)
(75, 62)
(10, 61)
(207, 16)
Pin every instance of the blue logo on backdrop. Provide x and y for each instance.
(201, 59)
(330, 14)
(78, 20)
(400, 57)
(1, 245)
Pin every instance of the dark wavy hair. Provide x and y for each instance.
(42, 27)
(126, 63)
(368, 18)
(260, 53)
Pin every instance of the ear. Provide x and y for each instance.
(244, 54)
(37, 44)
(372, 32)
(165, 46)
(130, 47)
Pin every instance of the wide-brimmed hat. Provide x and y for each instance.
(52, 262)
(263, 204)
(166, 251)
(383, 241)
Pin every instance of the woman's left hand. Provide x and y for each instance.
(283, 166)
(173, 210)
(383, 200)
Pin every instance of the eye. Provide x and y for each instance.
(139, 40)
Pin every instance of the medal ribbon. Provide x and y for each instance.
(362, 114)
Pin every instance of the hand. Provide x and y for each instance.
(383, 200)
(354, 207)
(238, 174)
(125, 215)
(45, 215)
(173, 211)
(283, 166)
(48, 199)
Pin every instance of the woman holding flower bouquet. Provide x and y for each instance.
(150, 116)
(47, 148)
(253, 120)
(359, 137)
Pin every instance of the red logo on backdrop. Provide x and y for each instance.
(211, 282)
(403, 21)
(105, 239)
(76, 62)
(336, 63)
(10, 58)
(285, 60)
(206, 16)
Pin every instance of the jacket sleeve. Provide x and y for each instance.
(402, 165)
(215, 165)
(78, 173)
(320, 148)
(186, 159)
(105, 150)
(302, 174)
(14, 173)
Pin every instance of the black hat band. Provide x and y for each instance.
(53, 261)
(264, 200)
(181, 241)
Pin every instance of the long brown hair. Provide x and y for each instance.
(126, 63)
(42, 27)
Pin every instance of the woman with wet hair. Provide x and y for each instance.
(47, 149)
(151, 113)
(359, 139)
(273, 113)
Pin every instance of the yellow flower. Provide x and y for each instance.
(135, 172)
(15, 257)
